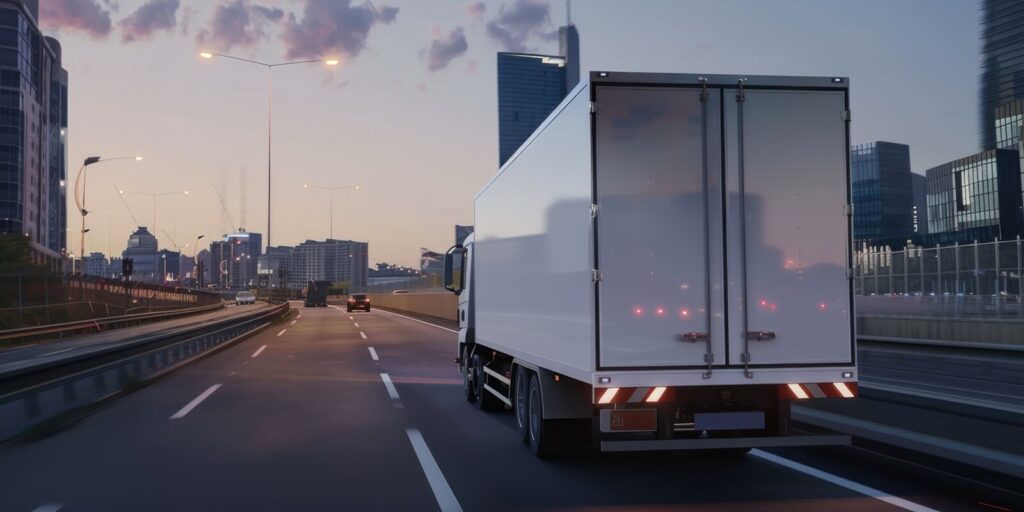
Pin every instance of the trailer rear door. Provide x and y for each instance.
(657, 182)
(788, 228)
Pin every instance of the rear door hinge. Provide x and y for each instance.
(595, 275)
(846, 115)
(850, 273)
(593, 107)
(847, 210)
(594, 210)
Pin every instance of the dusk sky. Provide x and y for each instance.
(410, 113)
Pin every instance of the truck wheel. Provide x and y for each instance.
(467, 380)
(522, 403)
(367, 309)
(540, 431)
(485, 401)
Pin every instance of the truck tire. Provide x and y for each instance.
(485, 401)
(467, 381)
(367, 309)
(540, 432)
(522, 403)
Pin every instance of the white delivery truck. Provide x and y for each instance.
(665, 264)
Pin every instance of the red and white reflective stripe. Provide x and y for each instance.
(815, 390)
(843, 389)
(608, 396)
(820, 390)
(631, 395)
(798, 391)
(656, 394)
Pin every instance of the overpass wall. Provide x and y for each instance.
(444, 306)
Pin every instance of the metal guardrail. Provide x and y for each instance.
(31, 397)
(10, 336)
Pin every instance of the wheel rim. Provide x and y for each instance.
(521, 401)
(534, 413)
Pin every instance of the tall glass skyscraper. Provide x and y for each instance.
(883, 206)
(33, 133)
(1002, 53)
(530, 86)
(1008, 120)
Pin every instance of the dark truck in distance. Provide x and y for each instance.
(358, 301)
(316, 294)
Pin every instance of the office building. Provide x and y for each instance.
(169, 266)
(33, 128)
(1002, 61)
(975, 198)
(114, 267)
(882, 191)
(95, 264)
(336, 261)
(232, 261)
(530, 86)
(919, 192)
(142, 248)
(202, 268)
(275, 263)
(1008, 120)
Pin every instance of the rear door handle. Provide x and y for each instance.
(760, 335)
(694, 336)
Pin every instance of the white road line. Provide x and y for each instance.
(195, 403)
(282, 332)
(446, 499)
(233, 374)
(49, 507)
(842, 482)
(357, 324)
(363, 334)
(55, 352)
(418, 320)
(351, 318)
(293, 321)
(373, 354)
(259, 351)
(392, 392)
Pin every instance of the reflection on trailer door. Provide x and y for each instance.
(657, 177)
(788, 231)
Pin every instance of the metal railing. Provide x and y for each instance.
(31, 396)
(25, 334)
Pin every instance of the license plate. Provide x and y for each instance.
(744, 420)
(629, 420)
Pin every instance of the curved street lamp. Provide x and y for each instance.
(81, 177)
(331, 191)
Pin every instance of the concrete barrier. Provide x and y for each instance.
(438, 305)
(1009, 333)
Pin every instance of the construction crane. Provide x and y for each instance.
(224, 208)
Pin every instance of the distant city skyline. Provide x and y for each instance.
(410, 115)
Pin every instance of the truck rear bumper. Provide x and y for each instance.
(713, 444)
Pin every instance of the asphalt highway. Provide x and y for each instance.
(363, 411)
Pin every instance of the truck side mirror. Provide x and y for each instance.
(454, 263)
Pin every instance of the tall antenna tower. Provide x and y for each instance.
(568, 12)
(226, 225)
(242, 192)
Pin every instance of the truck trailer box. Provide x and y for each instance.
(671, 230)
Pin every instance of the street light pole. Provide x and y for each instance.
(80, 201)
(154, 196)
(331, 192)
(269, 67)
